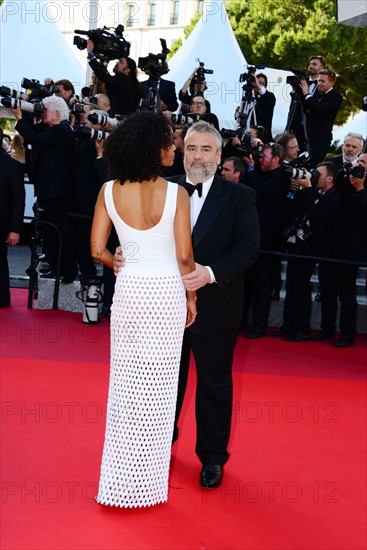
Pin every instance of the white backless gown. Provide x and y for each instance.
(147, 322)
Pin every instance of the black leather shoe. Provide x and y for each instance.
(321, 336)
(281, 331)
(344, 342)
(211, 476)
(48, 275)
(256, 333)
(297, 337)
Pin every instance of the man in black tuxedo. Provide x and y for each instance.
(166, 90)
(352, 147)
(262, 114)
(226, 242)
(12, 200)
(226, 239)
(321, 109)
(52, 158)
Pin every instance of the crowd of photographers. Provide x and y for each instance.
(309, 206)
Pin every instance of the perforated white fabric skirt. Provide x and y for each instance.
(147, 323)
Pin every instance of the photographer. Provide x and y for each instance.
(349, 242)
(262, 113)
(65, 89)
(310, 233)
(271, 183)
(52, 158)
(192, 85)
(123, 87)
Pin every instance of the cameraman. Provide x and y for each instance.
(166, 90)
(52, 157)
(123, 87)
(315, 208)
(271, 183)
(349, 242)
(262, 113)
(192, 85)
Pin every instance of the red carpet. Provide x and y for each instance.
(295, 480)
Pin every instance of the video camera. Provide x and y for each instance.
(201, 72)
(295, 81)
(107, 45)
(246, 139)
(249, 77)
(155, 65)
(36, 90)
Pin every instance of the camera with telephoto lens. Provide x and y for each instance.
(295, 81)
(155, 65)
(199, 76)
(299, 229)
(180, 118)
(5, 91)
(357, 171)
(36, 107)
(246, 139)
(104, 120)
(249, 77)
(107, 45)
(89, 133)
(36, 90)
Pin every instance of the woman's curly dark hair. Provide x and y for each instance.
(133, 149)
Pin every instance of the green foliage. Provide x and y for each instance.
(284, 35)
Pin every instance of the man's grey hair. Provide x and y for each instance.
(205, 128)
(355, 135)
(55, 103)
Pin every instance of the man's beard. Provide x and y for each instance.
(200, 171)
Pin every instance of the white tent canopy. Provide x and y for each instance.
(33, 46)
(214, 43)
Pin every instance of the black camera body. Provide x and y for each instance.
(246, 139)
(199, 77)
(155, 64)
(38, 91)
(295, 81)
(298, 229)
(107, 45)
(357, 171)
(249, 77)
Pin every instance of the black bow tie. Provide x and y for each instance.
(192, 188)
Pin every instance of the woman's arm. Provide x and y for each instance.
(184, 252)
(101, 230)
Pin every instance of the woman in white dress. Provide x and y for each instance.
(150, 308)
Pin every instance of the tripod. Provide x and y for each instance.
(297, 119)
(152, 101)
(247, 107)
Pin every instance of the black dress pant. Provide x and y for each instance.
(213, 354)
(258, 292)
(4, 273)
(297, 303)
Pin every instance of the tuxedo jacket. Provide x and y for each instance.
(12, 194)
(226, 237)
(321, 110)
(167, 92)
(52, 155)
(264, 109)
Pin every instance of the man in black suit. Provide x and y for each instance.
(166, 90)
(12, 200)
(122, 87)
(226, 240)
(52, 158)
(262, 114)
(321, 109)
(352, 147)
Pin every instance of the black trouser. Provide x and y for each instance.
(258, 292)
(297, 303)
(4, 273)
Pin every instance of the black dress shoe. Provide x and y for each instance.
(297, 337)
(344, 342)
(48, 275)
(256, 333)
(211, 476)
(321, 336)
(281, 331)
